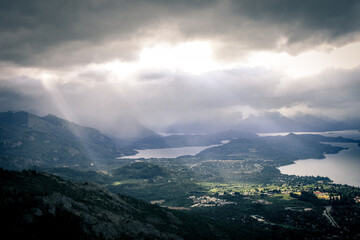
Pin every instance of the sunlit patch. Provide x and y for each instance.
(192, 57)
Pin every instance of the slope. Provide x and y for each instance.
(41, 206)
(27, 140)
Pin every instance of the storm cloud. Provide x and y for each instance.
(43, 32)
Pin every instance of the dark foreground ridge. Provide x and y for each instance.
(41, 206)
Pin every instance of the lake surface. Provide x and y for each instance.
(343, 167)
(170, 152)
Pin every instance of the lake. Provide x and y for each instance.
(343, 167)
(170, 152)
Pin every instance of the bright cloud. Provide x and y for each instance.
(309, 62)
(191, 57)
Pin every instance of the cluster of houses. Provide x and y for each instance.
(207, 201)
(326, 196)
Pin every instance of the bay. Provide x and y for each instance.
(342, 168)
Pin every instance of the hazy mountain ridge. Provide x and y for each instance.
(276, 122)
(191, 140)
(126, 130)
(264, 123)
(27, 140)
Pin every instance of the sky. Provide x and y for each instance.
(115, 64)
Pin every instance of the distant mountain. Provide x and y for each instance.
(42, 206)
(200, 127)
(28, 140)
(312, 123)
(264, 123)
(175, 141)
(233, 134)
(269, 122)
(124, 130)
(276, 122)
(277, 149)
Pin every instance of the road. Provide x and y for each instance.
(327, 214)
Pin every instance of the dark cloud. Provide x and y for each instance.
(333, 18)
(58, 32)
(87, 30)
